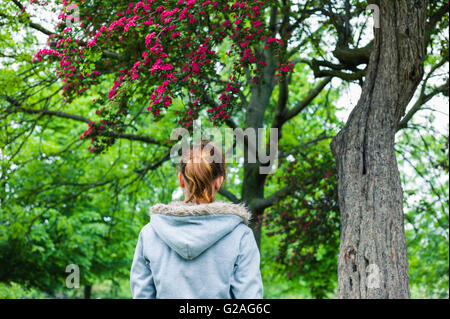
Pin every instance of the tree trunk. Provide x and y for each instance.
(254, 181)
(373, 261)
(253, 188)
(87, 291)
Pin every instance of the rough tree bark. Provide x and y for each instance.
(373, 261)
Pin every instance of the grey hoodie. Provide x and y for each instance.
(196, 251)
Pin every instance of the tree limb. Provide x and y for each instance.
(229, 195)
(263, 203)
(79, 118)
(32, 24)
(434, 19)
(423, 97)
(289, 114)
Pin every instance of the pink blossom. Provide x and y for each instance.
(167, 101)
(149, 38)
(111, 93)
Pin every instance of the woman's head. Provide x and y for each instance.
(202, 172)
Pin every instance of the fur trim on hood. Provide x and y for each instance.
(180, 208)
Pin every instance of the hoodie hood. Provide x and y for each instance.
(190, 228)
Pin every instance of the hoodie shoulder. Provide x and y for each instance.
(147, 231)
(242, 231)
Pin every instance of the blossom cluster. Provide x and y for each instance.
(172, 47)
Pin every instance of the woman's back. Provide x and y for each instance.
(197, 251)
(198, 248)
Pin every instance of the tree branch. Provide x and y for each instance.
(279, 117)
(229, 195)
(434, 19)
(38, 27)
(335, 70)
(32, 24)
(353, 57)
(79, 118)
(263, 203)
(418, 105)
(423, 97)
(289, 114)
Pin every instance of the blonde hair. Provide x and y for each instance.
(200, 168)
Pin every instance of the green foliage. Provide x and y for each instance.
(305, 225)
(16, 291)
(427, 214)
(275, 280)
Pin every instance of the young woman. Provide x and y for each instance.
(199, 248)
